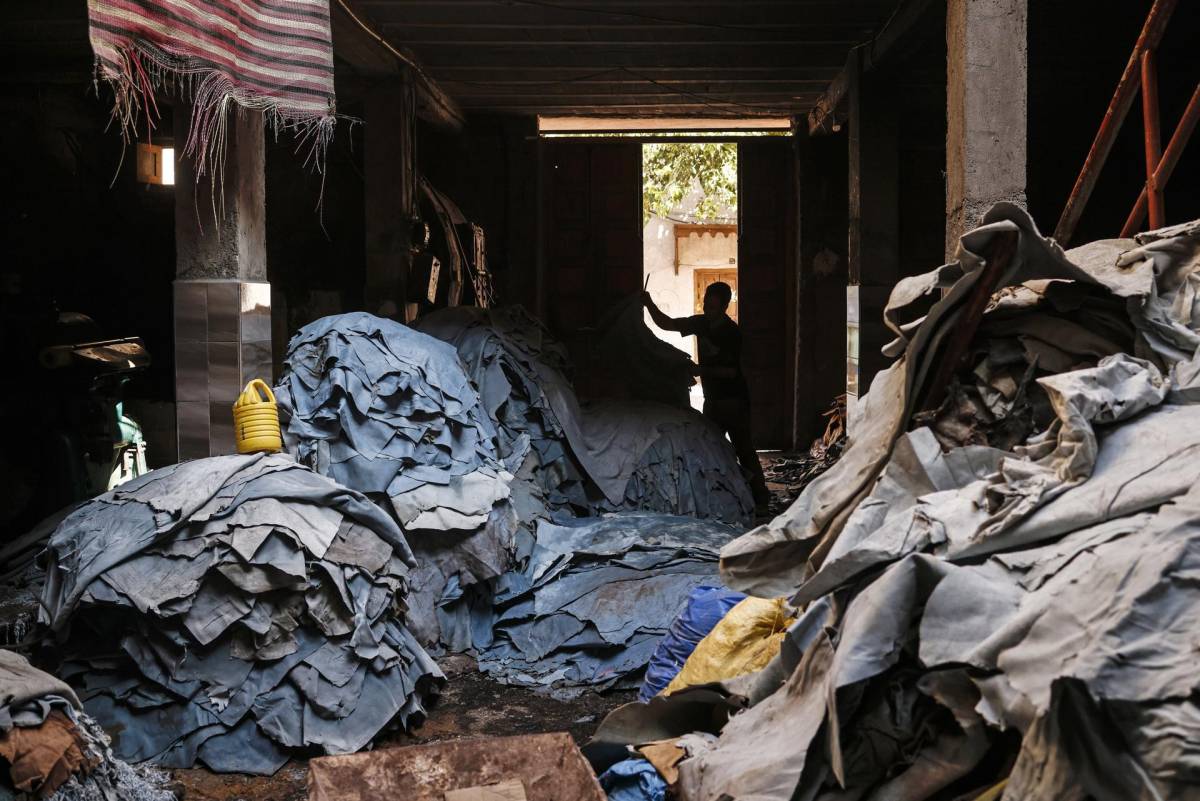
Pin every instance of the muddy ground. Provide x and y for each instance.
(472, 705)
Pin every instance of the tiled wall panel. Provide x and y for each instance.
(222, 341)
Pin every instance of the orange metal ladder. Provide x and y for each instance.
(1140, 74)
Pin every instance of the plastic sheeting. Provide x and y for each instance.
(595, 597)
(741, 642)
(231, 609)
(706, 606)
(633, 780)
(1001, 588)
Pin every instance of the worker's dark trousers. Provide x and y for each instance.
(732, 415)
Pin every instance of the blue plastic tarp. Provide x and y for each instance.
(705, 608)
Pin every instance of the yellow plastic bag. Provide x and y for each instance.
(745, 640)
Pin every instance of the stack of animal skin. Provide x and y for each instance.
(233, 611)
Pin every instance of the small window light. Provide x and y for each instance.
(156, 164)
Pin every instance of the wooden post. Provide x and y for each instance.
(873, 246)
(391, 191)
(820, 367)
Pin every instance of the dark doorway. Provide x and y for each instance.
(592, 254)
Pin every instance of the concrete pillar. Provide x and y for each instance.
(222, 298)
(986, 88)
(391, 196)
(873, 246)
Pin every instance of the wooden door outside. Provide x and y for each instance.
(702, 277)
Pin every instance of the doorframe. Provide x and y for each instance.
(792, 280)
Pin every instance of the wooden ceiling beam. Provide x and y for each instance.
(463, 92)
(777, 104)
(356, 42)
(898, 38)
(643, 56)
(611, 40)
(634, 110)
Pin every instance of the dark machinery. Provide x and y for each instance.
(70, 438)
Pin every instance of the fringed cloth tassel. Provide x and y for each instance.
(275, 57)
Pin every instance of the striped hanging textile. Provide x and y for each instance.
(271, 55)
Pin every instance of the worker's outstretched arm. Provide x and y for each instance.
(660, 319)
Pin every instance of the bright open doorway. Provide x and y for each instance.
(690, 232)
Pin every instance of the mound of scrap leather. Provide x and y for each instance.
(604, 456)
(521, 374)
(594, 597)
(471, 432)
(389, 411)
(50, 748)
(997, 583)
(233, 611)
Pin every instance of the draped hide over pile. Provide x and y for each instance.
(391, 412)
(274, 56)
(594, 598)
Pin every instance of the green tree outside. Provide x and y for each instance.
(671, 169)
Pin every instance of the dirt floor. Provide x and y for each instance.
(472, 705)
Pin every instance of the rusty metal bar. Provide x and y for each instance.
(1166, 166)
(958, 344)
(1118, 108)
(1153, 132)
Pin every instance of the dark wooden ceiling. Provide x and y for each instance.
(630, 57)
(616, 57)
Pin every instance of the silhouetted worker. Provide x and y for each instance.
(726, 396)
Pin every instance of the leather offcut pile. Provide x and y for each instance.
(472, 433)
(51, 749)
(391, 412)
(521, 374)
(996, 591)
(787, 477)
(233, 611)
(594, 597)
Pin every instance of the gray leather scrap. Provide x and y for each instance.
(1004, 587)
(392, 412)
(595, 596)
